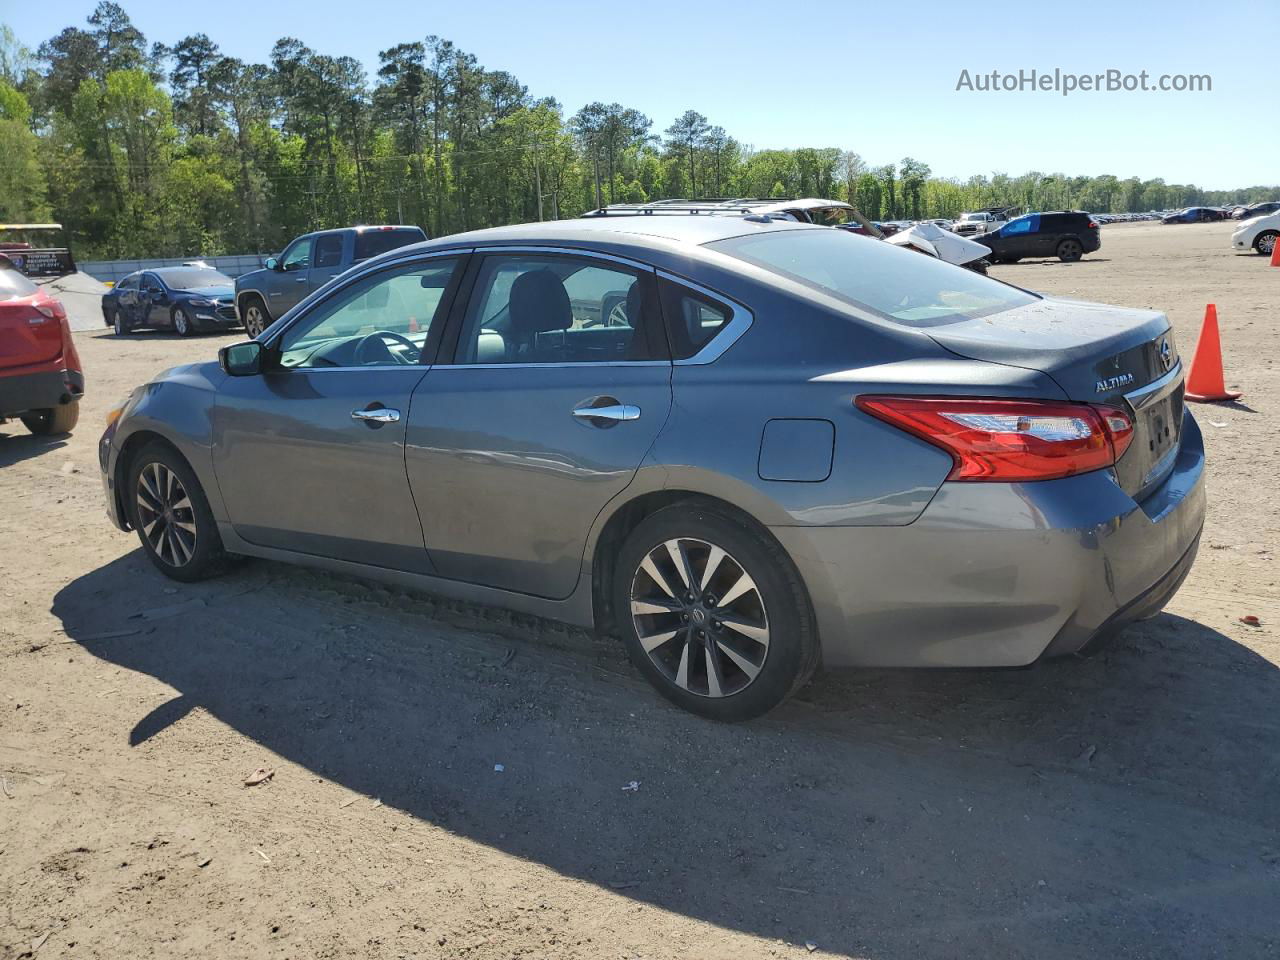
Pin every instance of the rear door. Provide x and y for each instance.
(560, 385)
(327, 259)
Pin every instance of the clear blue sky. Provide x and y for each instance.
(876, 78)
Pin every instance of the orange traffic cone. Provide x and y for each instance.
(1204, 382)
(1275, 253)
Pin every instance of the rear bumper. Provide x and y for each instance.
(1003, 574)
(39, 390)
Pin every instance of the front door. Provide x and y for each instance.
(309, 456)
(292, 281)
(560, 385)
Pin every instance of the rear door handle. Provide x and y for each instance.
(376, 415)
(613, 411)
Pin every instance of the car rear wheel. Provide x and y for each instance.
(181, 322)
(1069, 251)
(256, 318)
(61, 419)
(168, 509)
(119, 324)
(713, 613)
(1265, 242)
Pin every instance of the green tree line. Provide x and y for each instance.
(157, 150)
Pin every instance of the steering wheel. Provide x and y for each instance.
(380, 337)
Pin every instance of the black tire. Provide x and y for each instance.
(119, 324)
(182, 324)
(792, 651)
(106, 317)
(1010, 259)
(1265, 242)
(60, 419)
(1070, 250)
(206, 556)
(254, 315)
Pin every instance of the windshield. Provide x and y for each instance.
(195, 278)
(895, 284)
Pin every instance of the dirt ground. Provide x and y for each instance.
(454, 782)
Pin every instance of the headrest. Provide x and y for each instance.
(538, 303)
(635, 304)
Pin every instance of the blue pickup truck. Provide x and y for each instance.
(307, 264)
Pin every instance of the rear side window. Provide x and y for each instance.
(370, 243)
(329, 250)
(14, 285)
(692, 319)
(894, 284)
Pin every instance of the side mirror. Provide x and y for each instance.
(272, 263)
(241, 359)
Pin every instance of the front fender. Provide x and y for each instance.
(177, 407)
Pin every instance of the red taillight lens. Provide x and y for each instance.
(1010, 440)
(53, 309)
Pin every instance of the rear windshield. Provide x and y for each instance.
(370, 243)
(195, 278)
(904, 286)
(14, 285)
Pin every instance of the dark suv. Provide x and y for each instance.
(1067, 235)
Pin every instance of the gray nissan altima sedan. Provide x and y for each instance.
(745, 447)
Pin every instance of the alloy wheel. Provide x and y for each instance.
(1069, 250)
(254, 321)
(180, 322)
(700, 617)
(117, 324)
(165, 514)
(1266, 243)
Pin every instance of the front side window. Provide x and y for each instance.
(298, 256)
(548, 309)
(380, 320)
(1022, 225)
(129, 282)
(894, 284)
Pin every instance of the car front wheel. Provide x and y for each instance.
(181, 322)
(713, 613)
(1069, 251)
(255, 316)
(1265, 242)
(168, 509)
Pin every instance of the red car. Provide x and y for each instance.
(40, 377)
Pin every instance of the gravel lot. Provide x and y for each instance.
(1122, 806)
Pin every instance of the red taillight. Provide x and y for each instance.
(1010, 440)
(53, 309)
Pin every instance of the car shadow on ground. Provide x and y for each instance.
(16, 444)
(1124, 804)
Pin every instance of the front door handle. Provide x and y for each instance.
(613, 412)
(376, 415)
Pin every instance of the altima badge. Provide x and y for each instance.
(1123, 380)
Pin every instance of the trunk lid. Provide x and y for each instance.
(27, 336)
(1099, 355)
